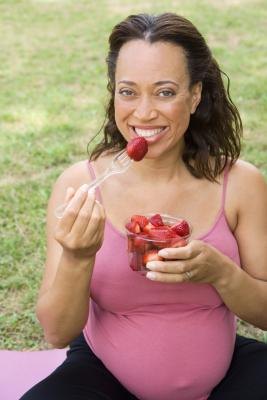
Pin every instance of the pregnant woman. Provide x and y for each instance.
(169, 334)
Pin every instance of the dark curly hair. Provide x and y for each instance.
(215, 129)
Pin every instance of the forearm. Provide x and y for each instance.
(244, 295)
(63, 309)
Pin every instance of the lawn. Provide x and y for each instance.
(52, 99)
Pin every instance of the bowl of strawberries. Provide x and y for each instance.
(149, 233)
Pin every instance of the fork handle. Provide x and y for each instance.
(59, 211)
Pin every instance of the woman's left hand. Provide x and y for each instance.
(196, 262)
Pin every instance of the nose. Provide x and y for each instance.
(145, 109)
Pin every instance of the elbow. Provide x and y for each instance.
(55, 339)
(56, 342)
(52, 336)
(258, 324)
(262, 326)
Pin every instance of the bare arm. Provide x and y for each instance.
(244, 290)
(72, 243)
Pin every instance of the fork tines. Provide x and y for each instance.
(123, 156)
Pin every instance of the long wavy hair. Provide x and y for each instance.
(213, 137)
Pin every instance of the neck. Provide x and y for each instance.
(163, 168)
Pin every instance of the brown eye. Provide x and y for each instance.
(126, 92)
(166, 93)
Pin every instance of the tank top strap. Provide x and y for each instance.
(93, 176)
(225, 182)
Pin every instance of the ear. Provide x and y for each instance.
(196, 96)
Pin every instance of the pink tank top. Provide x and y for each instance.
(161, 341)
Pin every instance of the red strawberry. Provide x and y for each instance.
(181, 228)
(140, 219)
(162, 237)
(140, 243)
(130, 243)
(137, 148)
(136, 261)
(162, 234)
(156, 220)
(148, 227)
(151, 255)
(133, 227)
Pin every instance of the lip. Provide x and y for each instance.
(152, 139)
(147, 127)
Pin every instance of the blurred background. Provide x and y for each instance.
(52, 100)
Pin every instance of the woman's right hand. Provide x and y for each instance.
(81, 229)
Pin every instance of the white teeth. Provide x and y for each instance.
(148, 132)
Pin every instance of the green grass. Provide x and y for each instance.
(52, 98)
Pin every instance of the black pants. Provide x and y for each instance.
(82, 376)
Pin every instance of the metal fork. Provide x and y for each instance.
(119, 164)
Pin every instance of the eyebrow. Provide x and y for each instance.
(159, 83)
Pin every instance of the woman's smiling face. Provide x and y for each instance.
(153, 97)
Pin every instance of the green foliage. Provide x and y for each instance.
(52, 98)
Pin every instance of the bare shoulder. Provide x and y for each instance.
(245, 172)
(79, 173)
(246, 183)
(74, 176)
(248, 197)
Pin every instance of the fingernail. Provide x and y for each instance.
(163, 253)
(150, 265)
(151, 275)
(91, 191)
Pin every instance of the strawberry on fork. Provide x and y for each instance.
(137, 148)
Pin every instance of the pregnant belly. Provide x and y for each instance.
(159, 356)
